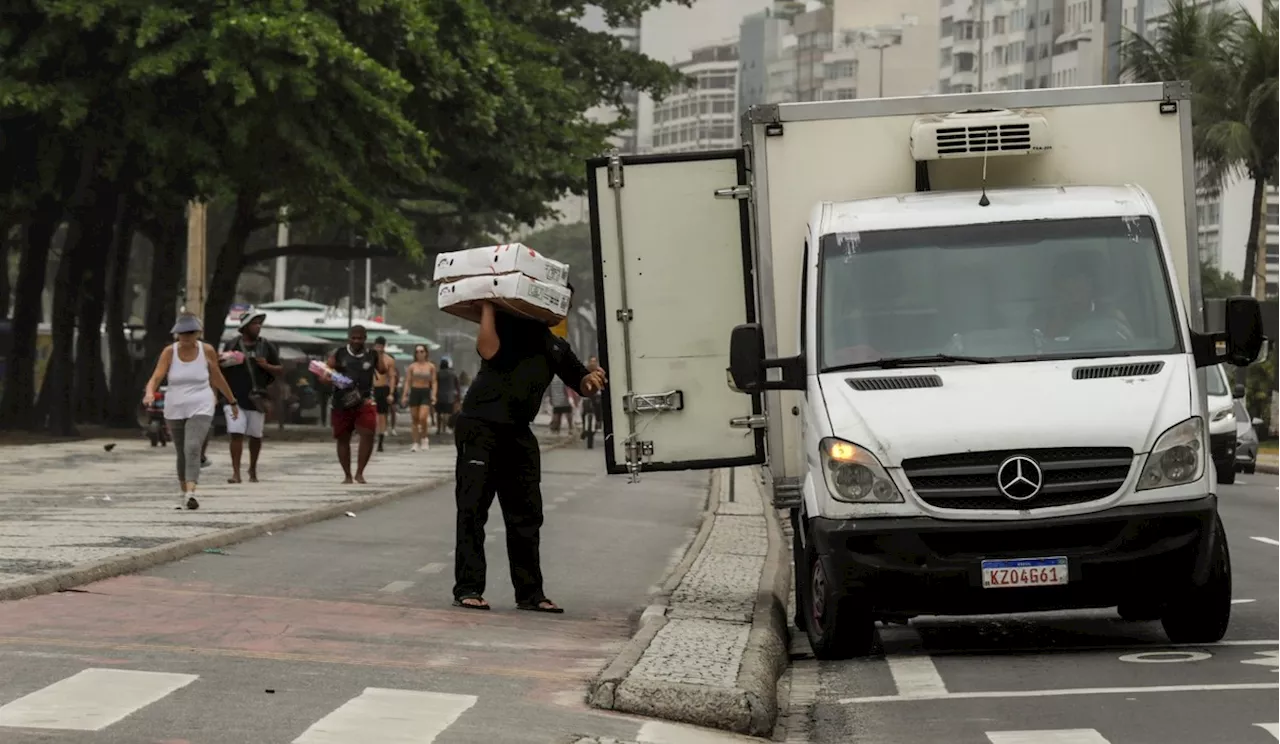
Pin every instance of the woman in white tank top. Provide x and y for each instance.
(193, 373)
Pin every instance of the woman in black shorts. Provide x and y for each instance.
(420, 395)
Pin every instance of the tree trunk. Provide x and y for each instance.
(89, 391)
(124, 396)
(7, 241)
(55, 404)
(162, 288)
(17, 407)
(226, 274)
(1255, 260)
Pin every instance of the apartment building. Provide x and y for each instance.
(762, 39)
(882, 49)
(701, 115)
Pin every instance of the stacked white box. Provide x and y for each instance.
(511, 258)
(514, 277)
(514, 293)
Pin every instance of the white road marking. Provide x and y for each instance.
(389, 717)
(914, 674)
(1269, 658)
(432, 568)
(560, 499)
(1242, 601)
(1064, 692)
(1165, 657)
(1266, 540)
(1270, 728)
(396, 587)
(91, 700)
(1056, 736)
(660, 732)
(550, 507)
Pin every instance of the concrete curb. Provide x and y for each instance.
(128, 563)
(751, 706)
(1271, 469)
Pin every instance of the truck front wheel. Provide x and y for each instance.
(838, 628)
(1201, 613)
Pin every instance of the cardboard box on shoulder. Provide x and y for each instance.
(516, 294)
(511, 258)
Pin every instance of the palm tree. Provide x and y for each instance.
(1231, 61)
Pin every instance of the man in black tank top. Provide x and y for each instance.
(354, 410)
(498, 453)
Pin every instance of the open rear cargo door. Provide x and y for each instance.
(671, 242)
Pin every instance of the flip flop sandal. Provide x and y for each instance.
(538, 607)
(461, 602)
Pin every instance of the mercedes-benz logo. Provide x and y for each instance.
(1020, 478)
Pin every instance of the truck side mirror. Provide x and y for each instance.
(746, 357)
(1243, 325)
(748, 369)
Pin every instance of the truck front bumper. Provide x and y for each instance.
(922, 566)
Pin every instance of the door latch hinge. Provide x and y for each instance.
(653, 403)
(741, 191)
(616, 180)
(625, 315)
(754, 421)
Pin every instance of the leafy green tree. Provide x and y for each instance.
(1231, 61)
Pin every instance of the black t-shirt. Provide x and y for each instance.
(359, 367)
(509, 387)
(245, 378)
(446, 386)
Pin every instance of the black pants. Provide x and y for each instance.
(501, 459)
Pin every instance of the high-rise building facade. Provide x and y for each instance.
(761, 45)
(703, 114)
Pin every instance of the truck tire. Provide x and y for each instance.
(1201, 613)
(838, 628)
(1226, 475)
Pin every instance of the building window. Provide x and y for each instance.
(964, 29)
(998, 25)
(964, 62)
(839, 70)
(944, 59)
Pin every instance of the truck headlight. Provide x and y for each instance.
(1176, 458)
(854, 475)
(1225, 413)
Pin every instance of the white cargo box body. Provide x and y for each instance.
(650, 214)
(511, 258)
(516, 294)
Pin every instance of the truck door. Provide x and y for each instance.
(672, 249)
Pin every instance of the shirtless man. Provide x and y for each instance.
(384, 385)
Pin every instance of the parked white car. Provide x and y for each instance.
(1222, 423)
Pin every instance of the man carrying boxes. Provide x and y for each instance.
(516, 295)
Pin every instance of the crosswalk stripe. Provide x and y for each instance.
(1054, 736)
(389, 717)
(91, 700)
(1270, 728)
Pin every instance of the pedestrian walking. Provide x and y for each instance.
(447, 397)
(353, 409)
(384, 386)
(191, 368)
(498, 453)
(561, 406)
(420, 395)
(252, 366)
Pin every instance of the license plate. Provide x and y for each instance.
(1024, 572)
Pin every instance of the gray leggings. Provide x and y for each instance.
(188, 440)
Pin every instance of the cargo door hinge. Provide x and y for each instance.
(734, 192)
(616, 181)
(625, 316)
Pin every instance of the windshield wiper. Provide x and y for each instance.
(914, 361)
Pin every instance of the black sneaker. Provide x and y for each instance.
(192, 504)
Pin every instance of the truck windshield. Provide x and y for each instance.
(1010, 291)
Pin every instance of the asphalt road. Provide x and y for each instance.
(342, 632)
(1071, 678)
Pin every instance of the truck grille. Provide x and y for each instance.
(969, 480)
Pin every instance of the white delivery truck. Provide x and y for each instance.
(963, 336)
